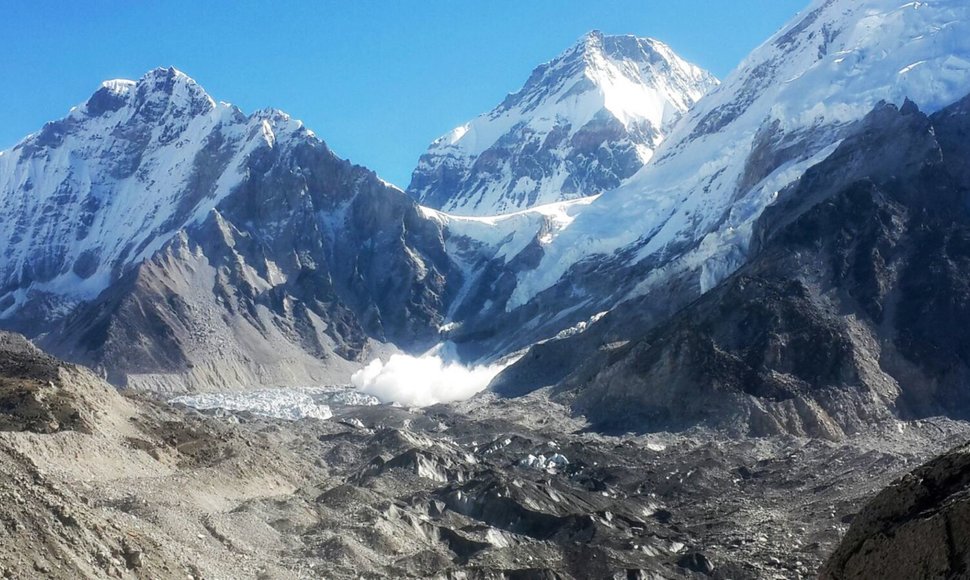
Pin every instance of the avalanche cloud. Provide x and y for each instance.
(422, 381)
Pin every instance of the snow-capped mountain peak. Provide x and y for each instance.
(623, 72)
(626, 68)
(581, 124)
(101, 189)
(159, 91)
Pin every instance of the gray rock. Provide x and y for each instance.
(918, 527)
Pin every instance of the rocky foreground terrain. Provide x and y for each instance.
(96, 483)
(917, 528)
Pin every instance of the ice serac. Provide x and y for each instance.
(582, 124)
(171, 241)
(691, 210)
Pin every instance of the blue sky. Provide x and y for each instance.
(377, 79)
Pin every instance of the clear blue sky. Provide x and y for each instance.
(377, 79)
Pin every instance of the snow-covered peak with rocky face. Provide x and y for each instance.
(784, 109)
(101, 189)
(173, 243)
(582, 124)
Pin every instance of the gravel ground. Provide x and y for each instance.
(488, 488)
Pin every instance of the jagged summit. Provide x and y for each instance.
(151, 94)
(161, 94)
(580, 125)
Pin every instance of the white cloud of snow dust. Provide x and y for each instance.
(422, 381)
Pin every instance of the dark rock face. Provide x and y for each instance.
(918, 527)
(851, 309)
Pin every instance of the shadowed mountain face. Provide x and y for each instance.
(279, 267)
(851, 310)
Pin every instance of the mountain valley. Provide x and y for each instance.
(635, 322)
(490, 488)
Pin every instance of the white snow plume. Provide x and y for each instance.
(422, 381)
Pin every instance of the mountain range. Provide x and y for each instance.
(173, 242)
(717, 318)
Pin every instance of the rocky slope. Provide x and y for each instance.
(581, 125)
(919, 527)
(850, 311)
